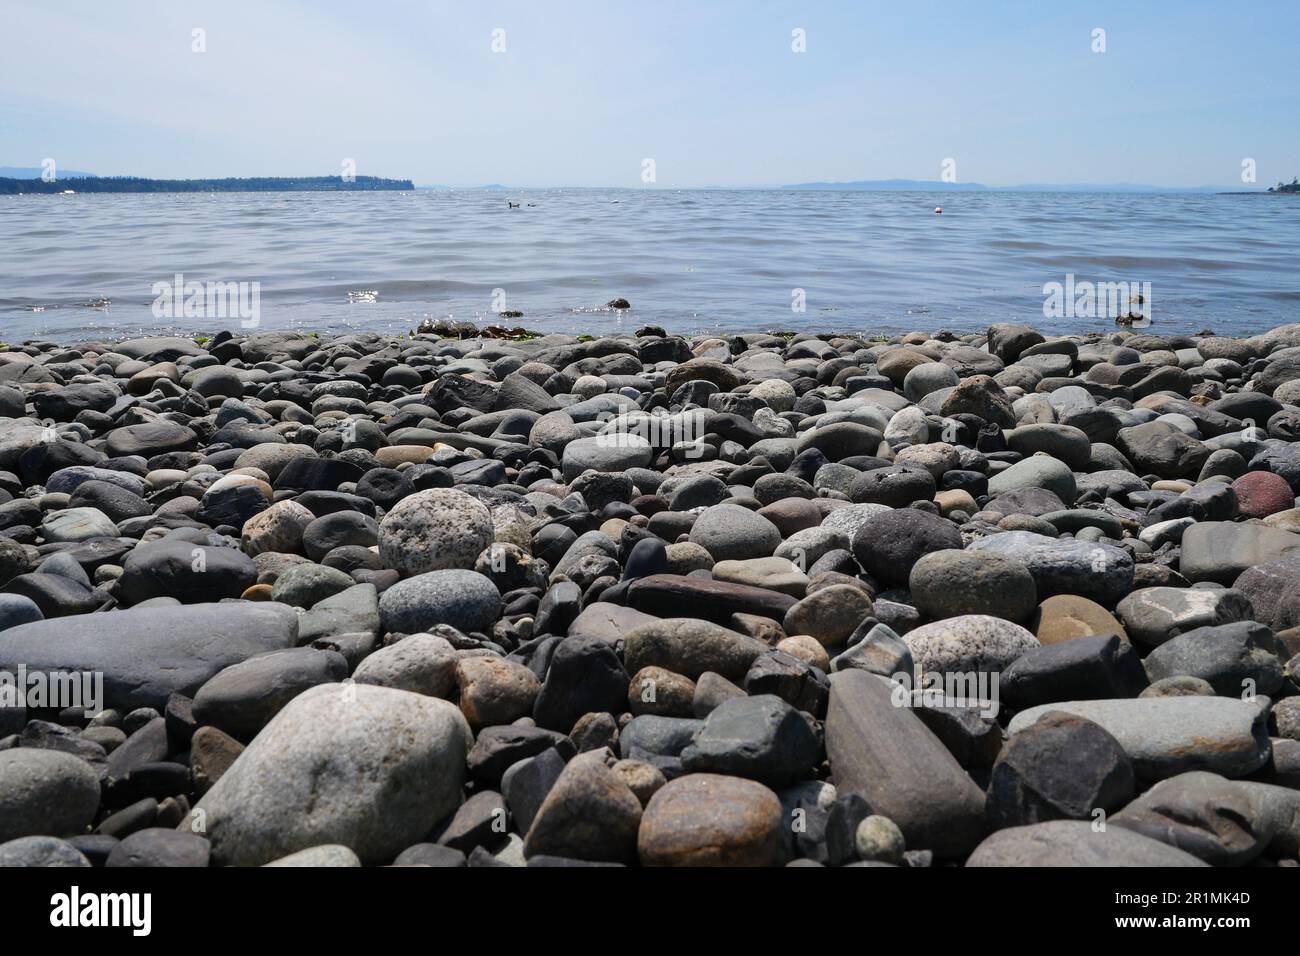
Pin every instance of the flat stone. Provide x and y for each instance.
(1075, 843)
(1166, 736)
(667, 594)
(77, 524)
(886, 755)
(1153, 616)
(148, 654)
(772, 574)
(607, 622)
(1221, 550)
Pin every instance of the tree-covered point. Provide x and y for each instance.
(1292, 187)
(257, 184)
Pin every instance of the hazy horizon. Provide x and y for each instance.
(1004, 94)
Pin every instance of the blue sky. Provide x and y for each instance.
(711, 91)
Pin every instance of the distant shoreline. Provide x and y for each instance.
(134, 184)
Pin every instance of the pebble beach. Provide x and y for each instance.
(451, 599)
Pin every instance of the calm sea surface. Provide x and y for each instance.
(693, 261)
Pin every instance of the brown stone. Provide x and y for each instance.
(830, 615)
(211, 754)
(1067, 616)
(764, 628)
(705, 819)
(807, 649)
(495, 691)
(644, 780)
(590, 813)
(655, 690)
(668, 595)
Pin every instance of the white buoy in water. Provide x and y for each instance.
(938, 210)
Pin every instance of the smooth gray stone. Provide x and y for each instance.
(732, 532)
(1223, 822)
(1273, 590)
(690, 646)
(1221, 550)
(658, 741)
(465, 600)
(352, 611)
(1152, 616)
(1075, 843)
(608, 622)
(45, 792)
(1095, 667)
(1166, 736)
(1098, 571)
(1235, 659)
(40, 851)
(148, 654)
(370, 768)
(881, 652)
(761, 737)
(1036, 471)
(243, 698)
(15, 609)
(888, 756)
(525, 785)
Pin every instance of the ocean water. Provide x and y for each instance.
(696, 261)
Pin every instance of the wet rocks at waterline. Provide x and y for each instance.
(756, 600)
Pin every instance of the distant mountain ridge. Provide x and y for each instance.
(35, 172)
(135, 184)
